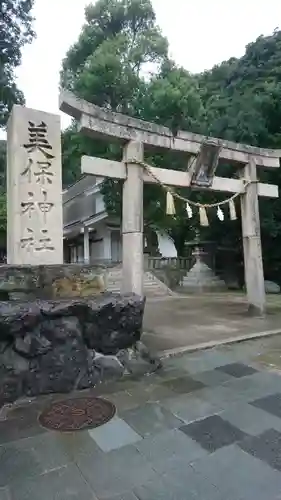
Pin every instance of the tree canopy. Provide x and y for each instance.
(121, 62)
(15, 32)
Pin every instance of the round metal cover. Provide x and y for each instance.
(77, 414)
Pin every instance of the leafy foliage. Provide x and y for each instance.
(242, 99)
(15, 32)
(118, 39)
(121, 62)
(109, 66)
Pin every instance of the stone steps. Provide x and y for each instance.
(152, 286)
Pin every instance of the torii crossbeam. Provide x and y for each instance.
(136, 134)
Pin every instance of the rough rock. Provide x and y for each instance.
(32, 345)
(116, 325)
(138, 360)
(271, 287)
(66, 344)
(18, 317)
(51, 281)
(13, 362)
(109, 365)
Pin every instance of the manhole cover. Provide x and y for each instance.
(77, 414)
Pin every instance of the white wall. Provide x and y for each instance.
(101, 249)
(166, 246)
(100, 206)
(77, 254)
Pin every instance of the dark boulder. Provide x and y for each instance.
(113, 324)
(138, 360)
(65, 344)
(18, 317)
(32, 344)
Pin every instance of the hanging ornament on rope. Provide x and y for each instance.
(170, 205)
(203, 216)
(232, 210)
(220, 214)
(188, 210)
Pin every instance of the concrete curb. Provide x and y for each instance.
(216, 343)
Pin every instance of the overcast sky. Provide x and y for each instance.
(201, 33)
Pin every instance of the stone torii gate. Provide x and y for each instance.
(136, 134)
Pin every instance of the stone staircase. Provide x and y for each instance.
(153, 287)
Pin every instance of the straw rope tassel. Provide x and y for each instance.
(220, 214)
(232, 210)
(203, 216)
(170, 205)
(188, 210)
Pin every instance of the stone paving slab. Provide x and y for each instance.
(239, 475)
(172, 485)
(125, 496)
(213, 432)
(4, 494)
(151, 418)
(183, 385)
(249, 419)
(236, 370)
(113, 435)
(117, 472)
(271, 404)
(63, 484)
(15, 429)
(212, 377)
(189, 408)
(266, 447)
(167, 445)
(208, 426)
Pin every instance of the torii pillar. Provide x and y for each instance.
(132, 220)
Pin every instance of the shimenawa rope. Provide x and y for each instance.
(170, 207)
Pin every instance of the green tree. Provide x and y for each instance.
(237, 100)
(242, 99)
(15, 32)
(109, 66)
(119, 38)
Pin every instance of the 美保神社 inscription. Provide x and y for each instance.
(38, 139)
(34, 188)
(38, 142)
(30, 206)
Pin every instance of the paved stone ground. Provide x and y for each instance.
(207, 426)
(185, 321)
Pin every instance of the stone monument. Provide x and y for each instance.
(34, 188)
(58, 331)
(201, 278)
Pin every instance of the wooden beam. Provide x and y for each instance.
(117, 170)
(96, 121)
